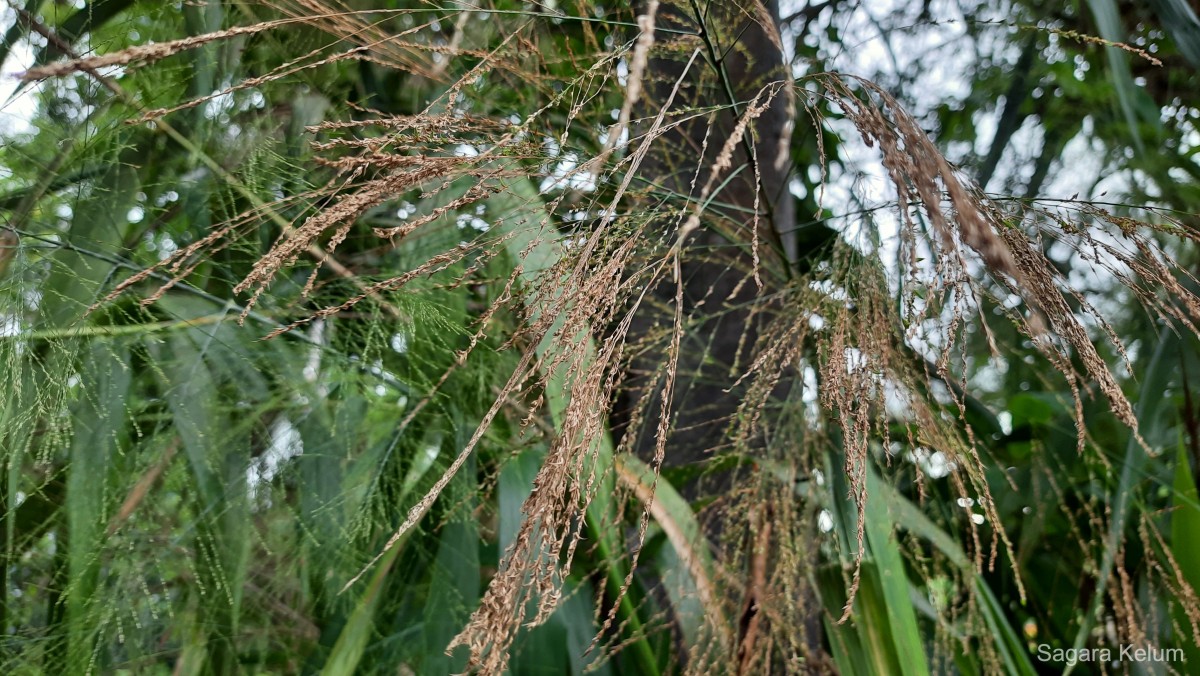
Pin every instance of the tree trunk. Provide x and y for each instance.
(741, 253)
(739, 58)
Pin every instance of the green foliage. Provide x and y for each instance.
(182, 495)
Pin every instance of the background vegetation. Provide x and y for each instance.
(950, 374)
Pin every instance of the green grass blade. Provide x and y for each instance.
(1185, 544)
(907, 516)
(694, 578)
(347, 652)
(520, 210)
(1154, 384)
(893, 579)
(95, 461)
(1108, 20)
(1179, 18)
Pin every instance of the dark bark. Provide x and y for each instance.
(723, 306)
(739, 57)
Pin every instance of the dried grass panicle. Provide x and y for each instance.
(922, 176)
(724, 160)
(633, 88)
(145, 54)
(288, 69)
(564, 486)
(842, 320)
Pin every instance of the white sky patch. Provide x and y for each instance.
(825, 521)
(399, 343)
(312, 368)
(622, 141)
(420, 465)
(10, 325)
(16, 110)
(166, 246)
(286, 444)
(809, 395)
(471, 221)
(567, 174)
(1005, 418)
(408, 208)
(934, 464)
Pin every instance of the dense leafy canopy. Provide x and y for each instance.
(372, 336)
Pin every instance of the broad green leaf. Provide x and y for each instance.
(519, 209)
(909, 517)
(1154, 386)
(347, 652)
(1108, 20)
(96, 458)
(1179, 18)
(1185, 544)
(454, 582)
(893, 580)
(691, 583)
